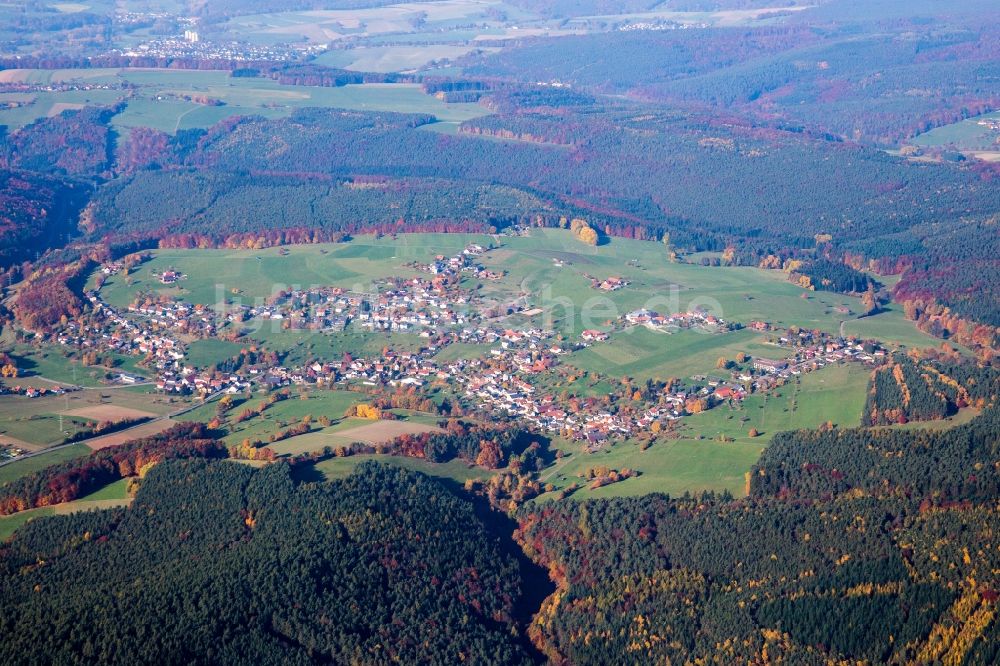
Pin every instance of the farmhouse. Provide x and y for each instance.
(769, 366)
(591, 335)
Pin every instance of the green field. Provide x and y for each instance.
(892, 327)
(966, 135)
(291, 411)
(36, 420)
(27, 466)
(113, 494)
(738, 294)
(698, 460)
(212, 275)
(644, 354)
(395, 58)
(159, 100)
(51, 363)
(454, 470)
(9, 524)
(116, 490)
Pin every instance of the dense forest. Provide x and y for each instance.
(796, 74)
(73, 479)
(654, 579)
(37, 213)
(955, 464)
(218, 563)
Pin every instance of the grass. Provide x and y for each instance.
(644, 354)
(31, 465)
(699, 460)
(36, 420)
(113, 494)
(891, 326)
(208, 352)
(52, 364)
(160, 104)
(738, 293)
(286, 413)
(963, 135)
(212, 275)
(10, 524)
(116, 490)
(454, 470)
(395, 58)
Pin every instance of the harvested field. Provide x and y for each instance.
(14, 75)
(59, 107)
(384, 431)
(108, 413)
(119, 438)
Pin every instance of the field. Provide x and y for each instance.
(446, 20)
(891, 326)
(698, 460)
(396, 58)
(52, 365)
(738, 294)
(27, 466)
(454, 470)
(644, 354)
(159, 102)
(967, 135)
(36, 420)
(257, 274)
(563, 293)
(138, 432)
(112, 495)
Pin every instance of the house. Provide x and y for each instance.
(591, 335)
(640, 316)
(769, 366)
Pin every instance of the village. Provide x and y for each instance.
(511, 378)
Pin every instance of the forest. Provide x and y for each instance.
(215, 562)
(869, 543)
(819, 78)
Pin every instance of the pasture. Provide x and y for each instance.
(36, 421)
(966, 135)
(396, 58)
(644, 354)
(737, 293)
(454, 470)
(16, 470)
(703, 457)
(332, 25)
(110, 496)
(212, 275)
(159, 100)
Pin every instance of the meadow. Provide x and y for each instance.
(112, 495)
(447, 21)
(159, 100)
(713, 449)
(396, 58)
(212, 275)
(644, 354)
(965, 135)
